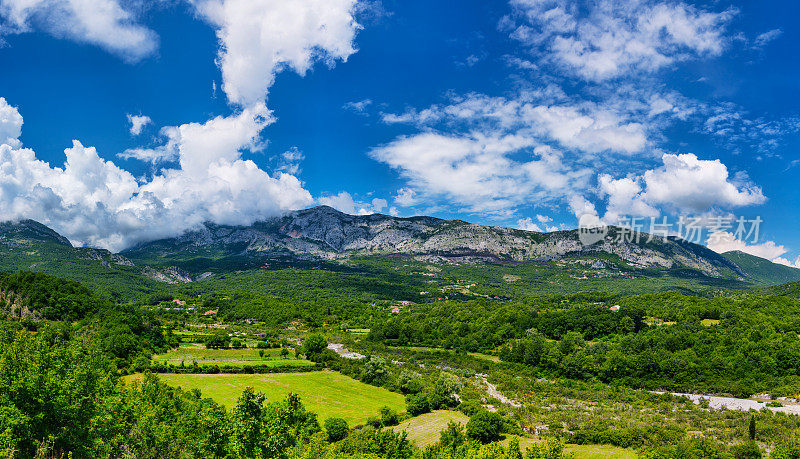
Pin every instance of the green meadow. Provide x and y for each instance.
(198, 353)
(327, 393)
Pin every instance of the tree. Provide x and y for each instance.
(218, 340)
(417, 404)
(485, 426)
(374, 369)
(410, 382)
(747, 450)
(452, 436)
(314, 345)
(284, 352)
(752, 429)
(336, 428)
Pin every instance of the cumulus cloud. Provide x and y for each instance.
(138, 122)
(104, 23)
(786, 262)
(724, 241)
(344, 202)
(259, 38)
(528, 224)
(684, 183)
(689, 183)
(94, 202)
(605, 39)
(10, 124)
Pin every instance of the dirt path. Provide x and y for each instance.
(492, 391)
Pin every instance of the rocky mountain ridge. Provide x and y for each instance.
(326, 233)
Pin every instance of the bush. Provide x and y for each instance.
(336, 428)
(469, 407)
(417, 404)
(749, 450)
(374, 369)
(485, 426)
(410, 382)
(788, 450)
(388, 417)
(453, 436)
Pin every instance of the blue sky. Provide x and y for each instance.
(524, 113)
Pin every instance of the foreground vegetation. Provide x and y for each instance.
(553, 375)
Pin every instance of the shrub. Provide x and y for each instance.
(748, 450)
(485, 426)
(417, 404)
(388, 416)
(336, 428)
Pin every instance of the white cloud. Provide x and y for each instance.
(220, 137)
(543, 218)
(624, 198)
(585, 126)
(358, 106)
(605, 39)
(478, 171)
(786, 262)
(723, 241)
(405, 197)
(766, 37)
(684, 183)
(138, 122)
(104, 23)
(528, 224)
(10, 124)
(94, 202)
(290, 161)
(689, 183)
(259, 38)
(581, 206)
(344, 202)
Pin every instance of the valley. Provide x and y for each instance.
(412, 332)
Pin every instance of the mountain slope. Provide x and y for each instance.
(762, 271)
(31, 246)
(324, 233)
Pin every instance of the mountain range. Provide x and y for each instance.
(325, 234)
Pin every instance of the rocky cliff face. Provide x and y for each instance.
(326, 233)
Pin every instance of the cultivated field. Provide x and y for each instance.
(327, 393)
(424, 430)
(189, 353)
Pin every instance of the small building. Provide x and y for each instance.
(395, 310)
(179, 302)
(614, 308)
(210, 313)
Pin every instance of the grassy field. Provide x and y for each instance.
(327, 393)
(424, 430)
(198, 353)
